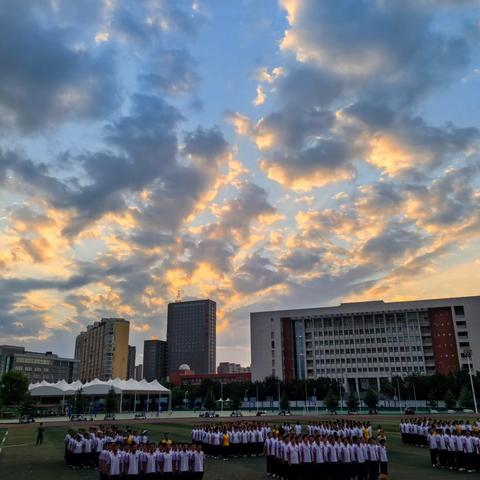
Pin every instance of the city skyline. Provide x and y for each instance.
(267, 155)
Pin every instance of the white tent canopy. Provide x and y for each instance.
(95, 387)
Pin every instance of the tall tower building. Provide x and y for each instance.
(132, 353)
(154, 360)
(102, 350)
(191, 335)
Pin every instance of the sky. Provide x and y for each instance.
(264, 154)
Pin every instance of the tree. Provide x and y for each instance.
(432, 400)
(331, 401)
(371, 401)
(235, 403)
(79, 402)
(284, 402)
(13, 387)
(27, 405)
(449, 399)
(111, 401)
(352, 401)
(465, 399)
(210, 402)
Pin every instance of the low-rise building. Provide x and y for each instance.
(38, 366)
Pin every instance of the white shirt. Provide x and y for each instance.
(293, 454)
(185, 460)
(114, 464)
(198, 458)
(167, 458)
(133, 463)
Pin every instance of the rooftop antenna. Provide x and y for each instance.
(179, 296)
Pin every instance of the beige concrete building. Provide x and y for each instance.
(362, 343)
(102, 350)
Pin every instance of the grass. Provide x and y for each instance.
(22, 460)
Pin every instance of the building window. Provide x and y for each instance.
(459, 310)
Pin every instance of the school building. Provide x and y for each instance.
(361, 343)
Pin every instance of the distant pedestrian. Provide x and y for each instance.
(40, 432)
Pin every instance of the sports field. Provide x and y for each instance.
(22, 460)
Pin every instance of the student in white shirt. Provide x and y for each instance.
(114, 470)
(198, 460)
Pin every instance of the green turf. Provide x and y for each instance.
(22, 460)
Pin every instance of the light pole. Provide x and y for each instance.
(221, 394)
(245, 394)
(399, 397)
(340, 389)
(278, 386)
(306, 397)
(315, 399)
(468, 355)
(185, 401)
(257, 398)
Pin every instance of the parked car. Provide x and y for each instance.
(409, 411)
(26, 419)
(468, 410)
(433, 410)
(78, 418)
(140, 416)
(284, 413)
(261, 413)
(236, 413)
(208, 414)
(451, 411)
(109, 416)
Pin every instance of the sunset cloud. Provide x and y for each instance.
(294, 155)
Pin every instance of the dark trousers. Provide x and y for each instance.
(442, 457)
(294, 472)
(39, 439)
(384, 468)
(434, 456)
(270, 459)
(373, 470)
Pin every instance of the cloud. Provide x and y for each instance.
(256, 274)
(46, 79)
(172, 72)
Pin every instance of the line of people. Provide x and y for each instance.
(231, 439)
(331, 457)
(130, 455)
(415, 431)
(454, 450)
(328, 450)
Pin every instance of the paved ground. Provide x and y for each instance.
(22, 460)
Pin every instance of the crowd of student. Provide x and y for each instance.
(330, 450)
(453, 444)
(117, 454)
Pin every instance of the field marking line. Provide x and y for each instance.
(17, 445)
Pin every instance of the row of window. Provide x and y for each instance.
(324, 371)
(368, 360)
(341, 351)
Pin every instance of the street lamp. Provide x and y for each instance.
(399, 396)
(185, 401)
(315, 399)
(468, 355)
(245, 394)
(221, 394)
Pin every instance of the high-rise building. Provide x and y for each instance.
(191, 335)
(228, 367)
(154, 360)
(37, 366)
(139, 372)
(132, 353)
(102, 350)
(365, 342)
